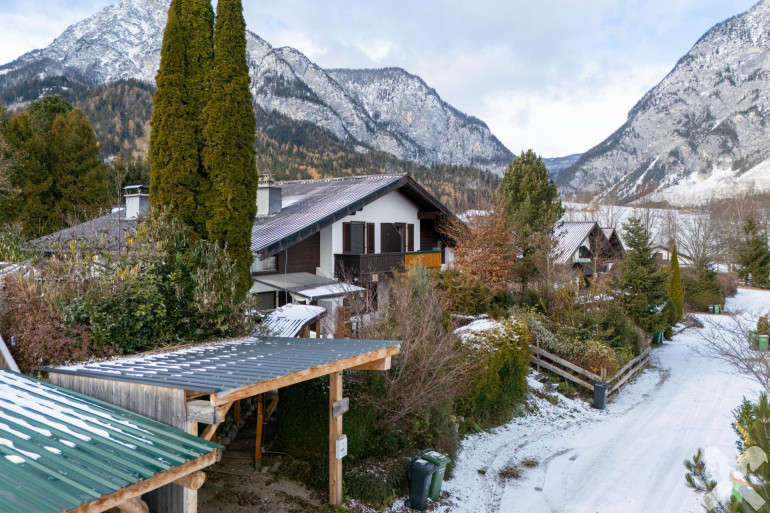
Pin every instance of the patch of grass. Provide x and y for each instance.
(529, 463)
(510, 472)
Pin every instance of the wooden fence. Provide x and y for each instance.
(579, 376)
(6, 360)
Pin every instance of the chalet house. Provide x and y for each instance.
(314, 241)
(585, 247)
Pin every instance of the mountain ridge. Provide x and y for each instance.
(123, 41)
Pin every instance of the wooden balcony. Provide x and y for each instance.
(367, 267)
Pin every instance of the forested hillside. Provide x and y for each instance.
(120, 113)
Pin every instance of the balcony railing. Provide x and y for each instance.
(367, 267)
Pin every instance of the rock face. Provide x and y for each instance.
(702, 132)
(388, 110)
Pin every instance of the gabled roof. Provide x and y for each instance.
(308, 206)
(304, 285)
(59, 449)
(569, 236)
(105, 233)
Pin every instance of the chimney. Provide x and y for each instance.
(137, 200)
(268, 197)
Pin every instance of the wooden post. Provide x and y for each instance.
(318, 328)
(190, 495)
(260, 421)
(237, 411)
(335, 431)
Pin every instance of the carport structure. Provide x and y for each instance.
(198, 385)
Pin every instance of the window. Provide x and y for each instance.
(357, 238)
(396, 237)
(268, 264)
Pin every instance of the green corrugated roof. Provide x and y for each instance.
(59, 449)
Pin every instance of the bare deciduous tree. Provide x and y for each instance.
(698, 240)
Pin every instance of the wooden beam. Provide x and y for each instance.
(335, 431)
(206, 412)
(376, 365)
(134, 505)
(303, 375)
(260, 422)
(271, 408)
(237, 411)
(192, 481)
(138, 489)
(318, 328)
(210, 432)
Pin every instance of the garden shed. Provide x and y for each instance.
(198, 384)
(63, 452)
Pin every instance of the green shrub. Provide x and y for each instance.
(466, 295)
(502, 358)
(701, 289)
(762, 326)
(377, 482)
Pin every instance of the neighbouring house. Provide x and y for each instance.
(106, 234)
(64, 452)
(585, 247)
(315, 241)
(662, 255)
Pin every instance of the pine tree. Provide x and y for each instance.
(675, 289)
(174, 150)
(754, 256)
(641, 285)
(81, 183)
(230, 136)
(531, 206)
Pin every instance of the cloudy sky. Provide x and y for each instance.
(557, 76)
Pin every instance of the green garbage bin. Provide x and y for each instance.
(717, 309)
(763, 341)
(657, 338)
(441, 461)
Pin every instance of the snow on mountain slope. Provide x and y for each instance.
(700, 132)
(387, 110)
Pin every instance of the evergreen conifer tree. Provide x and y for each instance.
(230, 135)
(81, 183)
(675, 288)
(174, 149)
(641, 284)
(754, 256)
(531, 207)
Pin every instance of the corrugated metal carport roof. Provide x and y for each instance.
(59, 450)
(224, 367)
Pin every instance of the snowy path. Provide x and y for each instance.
(625, 459)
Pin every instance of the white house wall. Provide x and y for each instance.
(393, 208)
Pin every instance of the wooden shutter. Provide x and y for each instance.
(410, 237)
(346, 238)
(370, 237)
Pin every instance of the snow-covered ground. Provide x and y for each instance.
(625, 459)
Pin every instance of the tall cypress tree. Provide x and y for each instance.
(230, 135)
(174, 150)
(198, 22)
(675, 289)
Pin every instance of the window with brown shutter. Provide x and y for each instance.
(346, 236)
(370, 237)
(410, 237)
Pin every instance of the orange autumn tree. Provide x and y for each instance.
(484, 248)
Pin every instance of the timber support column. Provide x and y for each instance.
(335, 432)
(191, 495)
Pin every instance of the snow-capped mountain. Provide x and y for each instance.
(704, 131)
(388, 110)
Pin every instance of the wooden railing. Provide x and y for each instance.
(364, 266)
(576, 374)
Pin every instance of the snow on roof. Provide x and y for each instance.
(569, 236)
(59, 450)
(291, 319)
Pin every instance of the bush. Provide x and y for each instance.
(701, 290)
(465, 294)
(762, 326)
(728, 284)
(377, 482)
(500, 383)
